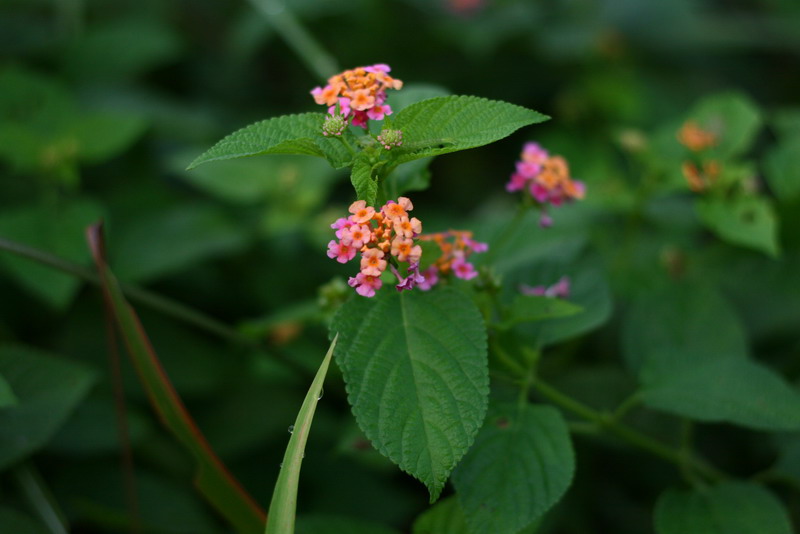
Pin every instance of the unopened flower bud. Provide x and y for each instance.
(333, 125)
(390, 138)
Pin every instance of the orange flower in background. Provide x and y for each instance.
(693, 137)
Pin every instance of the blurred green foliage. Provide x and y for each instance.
(104, 104)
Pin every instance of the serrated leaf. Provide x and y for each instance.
(288, 134)
(730, 508)
(690, 353)
(525, 309)
(782, 170)
(48, 389)
(450, 123)
(56, 229)
(416, 370)
(733, 118)
(364, 181)
(521, 464)
(746, 220)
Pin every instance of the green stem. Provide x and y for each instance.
(152, 300)
(626, 433)
(315, 57)
(32, 487)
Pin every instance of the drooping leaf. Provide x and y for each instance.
(782, 169)
(364, 181)
(48, 389)
(520, 465)
(56, 229)
(733, 118)
(526, 308)
(212, 477)
(450, 123)
(281, 518)
(416, 370)
(288, 134)
(690, 353)
(730, 508)
(745, 220)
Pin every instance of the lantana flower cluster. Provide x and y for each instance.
(546, 178)
(359, 94)
(385, 239)
(703, 175)
(456, 246)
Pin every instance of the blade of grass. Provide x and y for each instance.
(284, 498)
(212, 478)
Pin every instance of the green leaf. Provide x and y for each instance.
(48, 389)
(526, 309)
(173, 239)
(730, 508)
(364, 180)
(416, 370)
(339, 525)
(450, 123)
(782, 169)
(690, 353)
(521, 464)
(445, 517)
(7, 397)
(103, 135)
(212, 477)
(738, 391)
(745, 220)
(289, 134)
(15, 522)
(733, 118)
(281, 516)
(411, 176)
(57, 229)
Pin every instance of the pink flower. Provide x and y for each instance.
(534, 153)
(372, 263)
(463, 269)
(413, 279)
(517, 183)
(377, 112)
(361, 213)
(560, 289)
(430, 278)
(356, 235)
(341, 252)
(341, 222)
(365, 285)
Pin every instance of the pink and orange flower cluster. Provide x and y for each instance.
(456, 246)
(385, 238)
(546, 178)
(360, 93)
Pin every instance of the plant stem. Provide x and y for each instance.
(152, 300)
(634, 437)
(315, 57)
(32, 487)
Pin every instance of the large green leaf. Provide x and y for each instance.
(288, 134)
(48, 389)
(782, 169)
(416, 371)
(690, 353)
(749, 221)
(445, 517)
(57, 229)
(212, 478)
(730, 508)
(520, 465)
(450, 123)
(733, 118)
